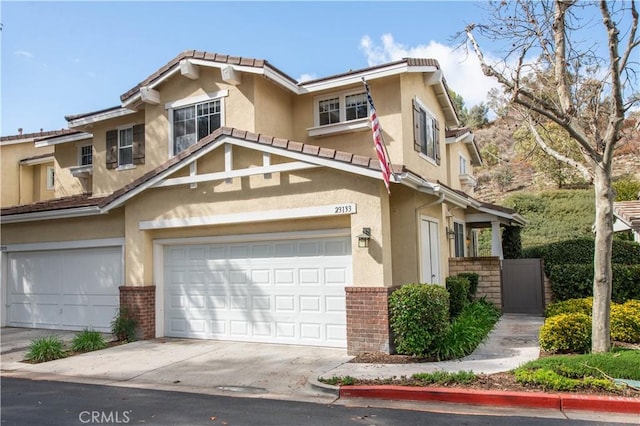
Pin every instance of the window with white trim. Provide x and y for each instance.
(458, 229)
(426, 136)
(194, 122)
(125, 146)
(341, 107)
(51, 177)
(463, 165)
(85, 155)
(193, 118)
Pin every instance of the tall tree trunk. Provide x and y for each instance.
(600, 337)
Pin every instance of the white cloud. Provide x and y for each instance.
(23, 53)
(307, 77)
(461, 70)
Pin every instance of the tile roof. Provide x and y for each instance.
(74, 201)
(207, 56)
(457, 132)
(86, 114)
(37, 157)
(38, 135)
(629, 212)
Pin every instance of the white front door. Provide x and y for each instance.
(430, 251)
(277, 291)
(64, 289)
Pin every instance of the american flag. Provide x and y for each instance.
(378, 142)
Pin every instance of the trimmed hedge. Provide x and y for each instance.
(571, 281)
(419, 317)
(571, 306)
(458, 288)
(625, 322)
(566, 333)
(581, 250)
(473, 283)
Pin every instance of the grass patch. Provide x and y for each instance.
(467, 331)
(576, 372)
(88, 341)
(445, 378)
(339, 380)
(46, 349)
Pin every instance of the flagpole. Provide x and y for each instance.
(384, 144)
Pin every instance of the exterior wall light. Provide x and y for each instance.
(450, 233)
(363, 239)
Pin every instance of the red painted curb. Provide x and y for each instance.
(461, 396)
(498, 398)
(611, 404)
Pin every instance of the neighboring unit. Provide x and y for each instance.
(224, 200)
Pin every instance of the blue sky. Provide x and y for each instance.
(61, 58)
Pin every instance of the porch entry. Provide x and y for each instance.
(522, 286)
(430, 248)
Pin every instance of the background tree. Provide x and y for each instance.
(561, 41)
(458, 102)
(477, 118)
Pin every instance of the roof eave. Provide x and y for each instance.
(51, 214)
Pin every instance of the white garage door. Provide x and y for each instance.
(287, 291)
(64, 289)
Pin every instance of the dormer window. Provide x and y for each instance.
(192, 119)
(340, 112)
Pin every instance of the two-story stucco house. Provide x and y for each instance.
(224, 200)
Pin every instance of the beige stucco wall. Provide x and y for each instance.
(413, 85)
(316, 187)
(273, 106)
(67, 156)
(16, 179)
(454, 150)
(81, 228)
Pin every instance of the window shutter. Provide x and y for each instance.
(436, 138)
(138, 144)
(112, 149)
(416, 126)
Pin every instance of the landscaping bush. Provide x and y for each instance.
(625, 322)
(87, 341)
(571, 306)
(45, 349)
(566, 333)
(458, 288)
(419, 316)
(571, 281)
(581, 250)
(124, 326)
(512, 242)
(467, 331)
(473, 283)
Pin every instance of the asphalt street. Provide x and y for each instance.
(29, 402)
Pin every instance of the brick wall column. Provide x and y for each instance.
(141, 302)
(368, 319)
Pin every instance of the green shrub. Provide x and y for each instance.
(419, 316)
(458, 288)
(572, 281)
(87, 341)
(445, 378)
(124, 325)
(46, 349)
(581, 250)
(473, 283)
(511, 242)
(625, 321)
(550, 380)
(566, 333)
(467, 331)
(571, 306)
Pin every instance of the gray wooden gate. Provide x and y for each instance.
(522, 286)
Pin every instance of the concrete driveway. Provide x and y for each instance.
(202, 366)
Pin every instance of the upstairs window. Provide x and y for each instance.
(194, 122)
(125, 147)
(193, 118)
(340, 112)
(85, 155)
(426, 137)
(463, 165)
(51, 178)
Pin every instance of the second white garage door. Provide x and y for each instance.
(286, 291)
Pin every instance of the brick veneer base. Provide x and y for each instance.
(141, 301)
(489, 270)
(368, 319)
